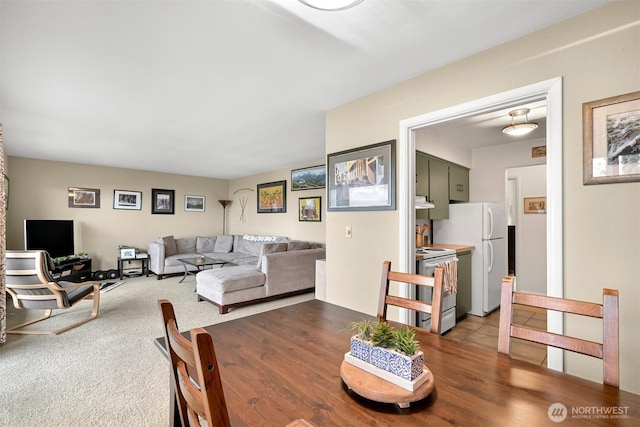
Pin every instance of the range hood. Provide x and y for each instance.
(422, 203)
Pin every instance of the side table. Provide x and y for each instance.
(144, 264)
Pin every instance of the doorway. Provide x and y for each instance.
(551, 90)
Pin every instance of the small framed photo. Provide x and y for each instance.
(162, 201)
(535, 205)
(611, 139)
(84, 197)
(309, 209)
(194, 203)
(130, 200)
(128, 253)
(309, 178)
(272, 197)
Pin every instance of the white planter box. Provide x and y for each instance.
(388, 376)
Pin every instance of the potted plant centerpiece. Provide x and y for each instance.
(391, 354)
(382, 339)
(407, 360)
(361, 339)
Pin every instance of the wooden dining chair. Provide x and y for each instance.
(196, 378)
(608, 350)
(434, 308)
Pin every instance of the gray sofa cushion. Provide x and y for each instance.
(269, 248)
(186, 244)
(231, 279)
(205, 244)
(223, 244)
(169, 245)
(297, 245)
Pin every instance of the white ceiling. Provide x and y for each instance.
(222, 88)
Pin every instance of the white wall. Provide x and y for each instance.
(430, 141)
(486, 177)
(531, 230)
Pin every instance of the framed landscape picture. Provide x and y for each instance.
(130, 200)
(611, 139)
(362, 179)
(162, 201)
(309, 178)
(84, 197)
(272, 197)
(194, 203)
(309, 209)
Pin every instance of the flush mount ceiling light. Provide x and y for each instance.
(331, 4)
(517, 129)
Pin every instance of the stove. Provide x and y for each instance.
(431, 258)
(435, 253)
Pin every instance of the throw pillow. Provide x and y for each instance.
(223, 244)
(269, 248)
(169, 246)
(298, 245)
(186, 245)
(205, 244)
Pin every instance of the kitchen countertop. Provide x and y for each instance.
(460, 249)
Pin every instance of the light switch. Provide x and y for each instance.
(347, 232)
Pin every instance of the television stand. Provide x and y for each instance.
(73, 270)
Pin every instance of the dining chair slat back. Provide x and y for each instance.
(195, 375)
(608, 311)
(434, 308)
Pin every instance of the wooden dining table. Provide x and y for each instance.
(284, 364)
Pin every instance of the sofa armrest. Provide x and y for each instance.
(291, 271)
(156, 257)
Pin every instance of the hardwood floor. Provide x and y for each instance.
(483, 331)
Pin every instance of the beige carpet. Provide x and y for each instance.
(106, 372)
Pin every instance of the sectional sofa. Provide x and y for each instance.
(257, 267)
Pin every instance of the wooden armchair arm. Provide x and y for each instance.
(57, 287)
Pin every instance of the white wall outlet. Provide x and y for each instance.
(347, 232)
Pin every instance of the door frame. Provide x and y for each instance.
(551, 90)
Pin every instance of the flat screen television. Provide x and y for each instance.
(52, 235)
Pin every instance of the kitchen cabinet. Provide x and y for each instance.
(463, 298)
(432, 180)
(441, 181)
(458, 183)
(422, 174)
(439, 189)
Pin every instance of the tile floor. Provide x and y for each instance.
(483, 331)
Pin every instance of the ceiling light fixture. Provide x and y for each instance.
(331, 4)
(519, 128)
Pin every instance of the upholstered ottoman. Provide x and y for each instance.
(231, 286)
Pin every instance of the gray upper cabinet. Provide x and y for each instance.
(458, 183)
(441, 181)
(439, 187)
(432, 180)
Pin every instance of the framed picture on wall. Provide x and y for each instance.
(162, 201)
(194, 203)
(272, 197)
(309, 209)
(535, 205)
(129, 200)
(611, 139)
(84, 197)
(363, 179)
(309, 178)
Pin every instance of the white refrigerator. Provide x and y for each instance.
(483, 226)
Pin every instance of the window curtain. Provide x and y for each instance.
(3, 241)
